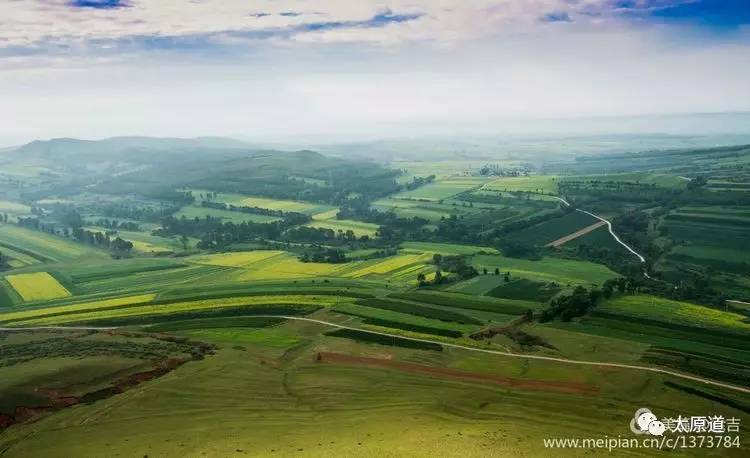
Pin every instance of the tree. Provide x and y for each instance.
(184, 240)
(484, 271)
(506, 277)
(437, 258)
(122, 246)
(438, 277)
(497, 271)
(421, 279)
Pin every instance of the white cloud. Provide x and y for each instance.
(462, 64)
(30, 22)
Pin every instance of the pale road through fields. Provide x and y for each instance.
(450, 345)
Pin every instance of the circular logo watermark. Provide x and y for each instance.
(645, 422)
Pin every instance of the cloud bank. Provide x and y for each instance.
(270, 68)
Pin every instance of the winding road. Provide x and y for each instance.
(609, 226)
(450, 345)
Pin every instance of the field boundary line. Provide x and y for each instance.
(579, 233)
(453, 345)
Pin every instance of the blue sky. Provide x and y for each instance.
(270, 68)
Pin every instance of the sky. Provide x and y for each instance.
(271, 70)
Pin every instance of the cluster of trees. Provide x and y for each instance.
(416, 182)
(569, 306)
(115, 225)
(102, 240)
(497, 170)
(329, 255)
(581, 300)
(697, 182)
(323, 235)
(213, 233)
(297, 218)
(134, 210)
(456, 265)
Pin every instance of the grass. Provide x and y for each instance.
(20, 259)
(389, 265)
(644, 178)
(676, 312)
(8, 296)
(198, 211)
(267, 337)
(477, 286)
(710, 252)
(431, 211)
(14, 209)
(442, 188)
(239, 259)
(447, 248)
(214, 323)
(551, 230)
(524, 289)
(286, 266)
(418, 310)
(367, 337)
(459, 301)
(205, 407)
(156, 280)
(562, 271)
(411, 327)
(326, 215)
(405, 319)
(145, 310)
(76, 307)
(43, 246)
(241, 200)
(358, 227)
(90, 272)
(144, 242)
(37, 286)
(538, 184)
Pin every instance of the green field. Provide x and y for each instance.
(447, 248)
(144, 242)
(442, 188)
(675, 312)
(562, 271)
(359, 228)
(13, 209)
(197, 211)
(549, 231)
(241, 200)
(42, 246)
(289, 396)
(640, 178)
(429, 210)
(533, 184)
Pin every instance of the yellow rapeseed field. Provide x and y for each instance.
(239, 259)
(37, 286)
(77, 307)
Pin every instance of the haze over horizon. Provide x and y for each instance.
(273, 71)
